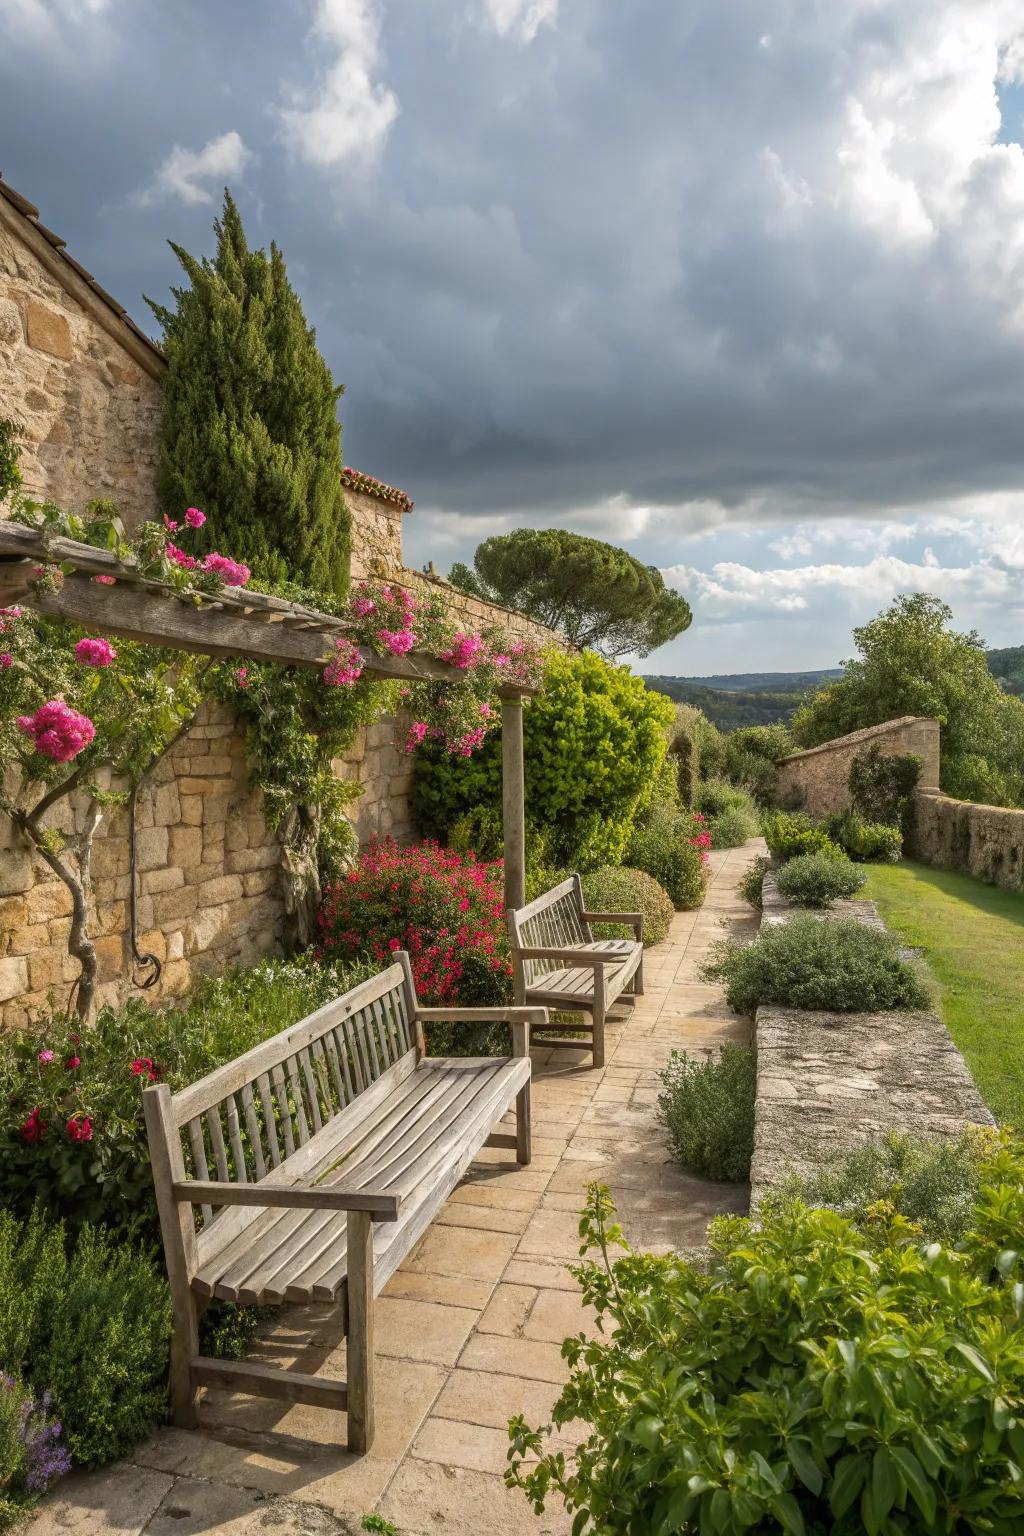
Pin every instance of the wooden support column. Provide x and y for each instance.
(513, 801)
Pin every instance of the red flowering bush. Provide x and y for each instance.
(445, 908)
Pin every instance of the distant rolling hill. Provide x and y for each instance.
(733, 699)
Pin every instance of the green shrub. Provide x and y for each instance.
(819, 1378)
(816, 880)
(708, 1109)
(594, 739)
(684, 753)
(935, 1184)
(865, 841)
(837, 965)
(617, 888)
(791, 833)
(731, 829)
(87, 1320)
(753, 880)
(670, 847)
(716, 796)
(751, 754)
(882, 786)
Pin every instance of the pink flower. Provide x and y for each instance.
(417, 731)
(105, 581)
(34, 1126)
(231, 572)
(186, 561)
(6, 659)
(79, 1128)
(398, 642)
(95, 653)
(46, 1057)
(145, 1066)
(72, 1062)
(57, 731)
(170, 524)
(362, 607)
(195, 518)
(344, 669)
(463, 651)
(242, 677)
(8, 618)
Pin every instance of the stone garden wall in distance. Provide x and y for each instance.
(816, 779)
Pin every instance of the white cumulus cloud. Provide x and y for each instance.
(344, 120)
(521, 19)
(193, 175)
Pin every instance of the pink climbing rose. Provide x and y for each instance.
(95, 653)
(397, 641)
(105, 581)
(195, 518)
(346, 667)
(57, 731)
(231, 572)
(6, 659)
(179, 556)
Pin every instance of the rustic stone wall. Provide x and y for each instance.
(376, 535)
(74, 380)
(816, 780)
(986, 841)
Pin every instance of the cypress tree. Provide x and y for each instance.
(250, 431)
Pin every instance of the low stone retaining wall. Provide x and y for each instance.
(986, 841)
(827, 1082)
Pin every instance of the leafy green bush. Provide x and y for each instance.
(708, 1109)
(670, 846)
(816, 880)
(791, 833)
(865, 841)
(684, 753)
(617, 888)
(820, 1378)
(72, 1132)
(751, 754)
(935, 1184)
(837, 965)
(594, 739)
(731, 829)
(716, 796)
(882, 786)
(89, 1322)
(753, 880)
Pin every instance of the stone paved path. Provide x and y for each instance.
(469, 1329)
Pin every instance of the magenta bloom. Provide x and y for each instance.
(95, 653)
(397, 641)
(57, 731)
(231, 572)
(195, 518)
(362, 607)
(105, 581)
(417, 732)
(187, 562)
(34, 1126)
(6, 659)
(242, 677)
(170, 524)
(45, 1057)
(72, 1062)
(464, 651)
(345, 668)
(79, 1128)
(8, 618)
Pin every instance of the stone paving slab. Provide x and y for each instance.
(469, 1329)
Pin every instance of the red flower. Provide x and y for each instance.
(72, 1062)
(145, 1066)
(34, 1126)
(79, 1128)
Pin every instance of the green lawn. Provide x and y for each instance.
(972, 936)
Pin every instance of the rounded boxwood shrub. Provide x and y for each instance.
(617, 888)
(837, 965)
(865, 841)
(818, 1378)
(791, 833)
(707, 1105)
(671, 846)
(816, 880)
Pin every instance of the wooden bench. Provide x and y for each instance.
(558, 963)
(333, 1145)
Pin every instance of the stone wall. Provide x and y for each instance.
(80, 385)
(816, 780)
(986, 841)
(376, 535)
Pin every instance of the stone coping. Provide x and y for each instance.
(828, 1082)
(869, 733)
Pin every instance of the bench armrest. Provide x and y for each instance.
(521, 1020)
(577, 957)
(322, 1197)
(634, 919)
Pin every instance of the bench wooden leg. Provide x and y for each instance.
(360, 1332)
(524, 1141)
(184, 1349)
(638, 980)
(598, 1021)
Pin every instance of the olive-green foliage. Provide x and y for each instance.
(933, 1183)
(912, 663)
(816, 880)
(865, 841)
(707, 1105)
(662, 846)
(790, 833)
(595, 593)
(89, 1321)
(594, 739)
(734, 827)
(684, 752)
(617, 888)
(753, 880)
(820, 1378)
(249, 430)
(837, 965)
(716, 795)
(751, 754)
(882, 786)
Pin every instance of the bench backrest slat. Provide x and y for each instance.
(552, 921)
(250, 1116)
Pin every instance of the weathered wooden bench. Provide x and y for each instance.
(558, 963)
(333, 1145)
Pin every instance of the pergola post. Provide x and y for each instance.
(513, 800)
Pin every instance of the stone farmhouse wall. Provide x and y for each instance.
(83, 385)
(986, 841)
(816, 779)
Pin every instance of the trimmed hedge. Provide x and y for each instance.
(816, 880)
(617, 888)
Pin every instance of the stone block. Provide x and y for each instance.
(267, 857)
(173, 906)
(213, 893)
(175, 944)
(197, 786)
(15, 912)
(13, 977)
(16, 872)
(186, 845)
(46, 969)
(153, 942)
(151, 846)
(49, 899)
(110, 956)
(166, 806)
(218, 764)
(47, 330)
(111, 917)
(156, 880)
(192, 810)
(24, 940)
(176, 978)
(206, 928)
(236, 835)
(258, 881)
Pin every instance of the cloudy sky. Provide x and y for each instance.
(739, 285)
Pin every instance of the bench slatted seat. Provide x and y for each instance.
(557, 963)
(307, 1169)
